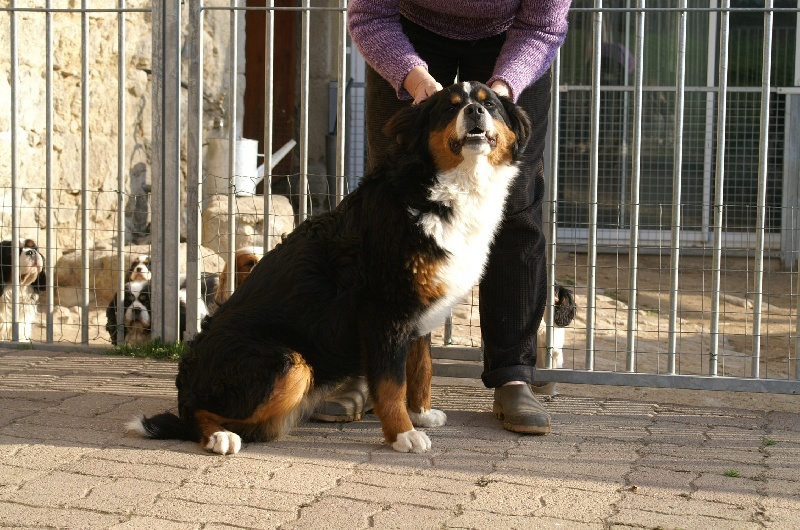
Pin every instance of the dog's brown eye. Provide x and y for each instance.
(488, 104)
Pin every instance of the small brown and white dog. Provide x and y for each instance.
(140, 269)
(246, 258)
(31, 281)
(563, 314)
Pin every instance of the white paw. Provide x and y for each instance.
(224, 442)
(428, 418)
(412, 441)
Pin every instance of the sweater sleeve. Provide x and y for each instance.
(375, 29)
(538, 30)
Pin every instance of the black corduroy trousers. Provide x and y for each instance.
(514, 287)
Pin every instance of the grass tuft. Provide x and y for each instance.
(155, 349)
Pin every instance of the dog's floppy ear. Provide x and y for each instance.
(520, 123)
(407, 125)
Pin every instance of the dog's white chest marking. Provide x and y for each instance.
(476, 192)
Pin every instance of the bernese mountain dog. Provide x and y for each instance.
(32, 280)
(357, 290)
(140, 269)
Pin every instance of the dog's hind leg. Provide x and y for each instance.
(419, 371)
(271, 419)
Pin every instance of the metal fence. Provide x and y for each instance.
(672, 201)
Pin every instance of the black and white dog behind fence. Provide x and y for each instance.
(31, 281)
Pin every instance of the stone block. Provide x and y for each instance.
(249, 222)
(103, 272)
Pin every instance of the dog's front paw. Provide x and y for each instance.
(412, 441)
(428, 418)
(224, 442)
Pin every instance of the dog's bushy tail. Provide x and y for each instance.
(166, 426)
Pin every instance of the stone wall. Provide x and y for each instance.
(101, 151)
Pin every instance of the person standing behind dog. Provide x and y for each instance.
(412, 48)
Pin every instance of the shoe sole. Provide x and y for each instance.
(522, 429)
(329, 418)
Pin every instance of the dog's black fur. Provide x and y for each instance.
(356, 290)
(564, 308)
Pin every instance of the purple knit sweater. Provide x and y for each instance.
(536, 29)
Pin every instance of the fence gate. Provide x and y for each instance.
(672, 207)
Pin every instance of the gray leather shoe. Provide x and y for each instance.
(349, 403)
(519, 410)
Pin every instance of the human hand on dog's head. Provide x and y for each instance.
(420, 84)
(501, 88)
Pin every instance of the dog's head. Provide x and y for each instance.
(31, 263)
(246, 258)
(465, 120)
(565, 307)
(137, 305)
(140, 269)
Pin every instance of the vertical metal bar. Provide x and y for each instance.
(341, 100)
(85, 198)
(708, 146)
(680, 83)
(269, 116)
(591, 270)
(719, 183)
(194, 177)
(305, 35)
(15, 199)
(50, 250)
(121, 129)
(232, 134)
(552, 201)
(761, 209)
(172, 169)
(157, 170)
(636, 174)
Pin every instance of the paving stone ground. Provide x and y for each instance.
(613, 461)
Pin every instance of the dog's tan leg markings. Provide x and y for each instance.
(390, 406)
(214, 437)
(283, 407)
(269, 421)
(419, 372)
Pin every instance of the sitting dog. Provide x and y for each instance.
(140, 269)
(358, 289)
(564, 311)
(136, 304)
(31, 282)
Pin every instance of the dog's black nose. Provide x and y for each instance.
(137, 311)
(474, 108)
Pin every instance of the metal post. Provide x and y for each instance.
(194, 177)
(305, 35)
(15, 199)
(341, 99)
(269, 116)
(591, 270)
(761, 208)
(636, 173)
(552, 201)
(680, 84)
(719, 183)
(85, 198)
(121, 180)
(232, 134)
(50, 250)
